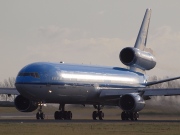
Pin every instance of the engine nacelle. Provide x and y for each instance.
(131, 102)
(25, 105)
(134, 57)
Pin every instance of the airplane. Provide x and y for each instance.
(45, 82)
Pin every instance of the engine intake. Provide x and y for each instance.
(131, 102)
(25, 105)
(134, 57)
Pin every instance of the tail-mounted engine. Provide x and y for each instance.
(131, 102)
(25, 105)
(136, 58)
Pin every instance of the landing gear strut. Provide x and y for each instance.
(40, 114)
(129, 116)
(98, 113)
(62, 114)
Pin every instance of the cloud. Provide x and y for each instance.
(53, 31)
(165, 42)
(101, 12)
(57, 32)
(166, 36)
(99, 51)
(71, 46)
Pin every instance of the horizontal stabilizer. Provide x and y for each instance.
(9, 91)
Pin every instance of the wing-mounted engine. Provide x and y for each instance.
(131, 102)
(25, 105)
(134, 57)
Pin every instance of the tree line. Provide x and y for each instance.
(8, 83)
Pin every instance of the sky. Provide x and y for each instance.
(86, 31)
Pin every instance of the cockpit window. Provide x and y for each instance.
(33, 74)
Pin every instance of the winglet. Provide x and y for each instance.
(143, 32)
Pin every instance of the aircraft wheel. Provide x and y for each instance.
(123, 115)
(132, 116)
(37, 115)
(136, 115)
(69, 115)
(101, 115)
(42, 116)
(94, 115)
(65, 115)
(57, 115)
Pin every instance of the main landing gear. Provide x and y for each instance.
(62, 114)
(129, 115)
(98, 114)
(40, 114)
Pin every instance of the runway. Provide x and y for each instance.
(30, 118)
(83, 121)
(83, 115)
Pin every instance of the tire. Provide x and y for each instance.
(132, 116)
(123, 116)
(65, 115)
(56, 115)
(94, 115)
(42, 116)
(69, 114)
(37, 115)
(136, 116)
(101, 115)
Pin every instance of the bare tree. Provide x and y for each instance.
(8, 83)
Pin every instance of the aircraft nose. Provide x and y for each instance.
(28, 73)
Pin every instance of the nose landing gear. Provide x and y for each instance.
(40, 114)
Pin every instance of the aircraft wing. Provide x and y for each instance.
(111, 93)
(162, 92)
(116, 93)
(161, 81)
(11, 91)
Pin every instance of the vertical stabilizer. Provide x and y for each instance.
(143, 32)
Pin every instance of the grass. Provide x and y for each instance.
(126, 128)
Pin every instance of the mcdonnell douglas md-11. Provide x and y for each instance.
(43, 82)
